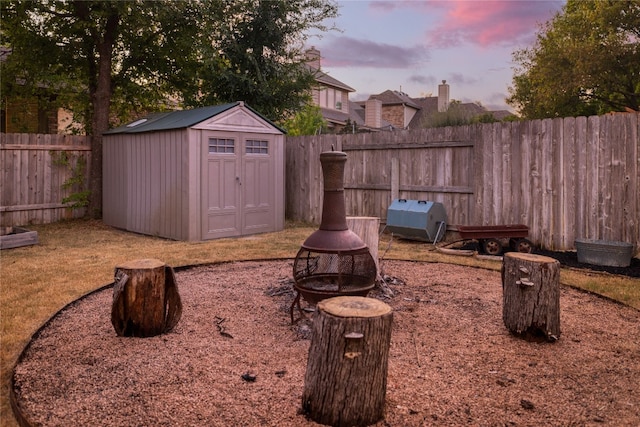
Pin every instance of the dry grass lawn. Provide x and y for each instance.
(78, 256)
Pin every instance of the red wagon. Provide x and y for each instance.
(491, 237)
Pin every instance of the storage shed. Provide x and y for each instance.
(196, 174)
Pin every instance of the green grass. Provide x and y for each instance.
(619, 288)
(76, 257)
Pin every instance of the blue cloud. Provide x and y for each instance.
(350, 52)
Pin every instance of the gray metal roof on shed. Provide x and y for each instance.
(179, 119)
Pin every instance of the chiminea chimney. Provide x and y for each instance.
(443, 97)
(334, 234)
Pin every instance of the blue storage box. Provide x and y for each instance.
(417, 220)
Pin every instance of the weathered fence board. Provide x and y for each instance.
(567, 208)
(565, 178)
(35, 168)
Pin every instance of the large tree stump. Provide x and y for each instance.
(531, 295)
(346, 378)
(146, 301)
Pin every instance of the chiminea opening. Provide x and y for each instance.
(333, 260)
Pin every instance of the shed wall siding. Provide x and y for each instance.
(280, 171)
(193, 177)
(157, 188)
(146, 183)
(115, 176)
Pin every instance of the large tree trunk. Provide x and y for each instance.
(346, 377)
(100, 94)
(531, 295)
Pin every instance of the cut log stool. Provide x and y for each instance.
(146, 301)
(531, 295)
(346, 378)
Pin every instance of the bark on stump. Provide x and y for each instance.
(146, 301)
(531, 295)
(346, 378)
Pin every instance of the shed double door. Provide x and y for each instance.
(238, 187)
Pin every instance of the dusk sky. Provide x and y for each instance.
(413, 45)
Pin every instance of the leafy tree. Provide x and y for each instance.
(90, 56)
(351, 127)
(256, 54)
(511, 118)
(456, 115)
(585, 61)
(107, 60)
(485, 118)
(308, 121)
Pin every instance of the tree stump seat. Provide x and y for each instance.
(146, 301)
(531, 296)
(346, 376)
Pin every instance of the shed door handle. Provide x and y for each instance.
(238, 179)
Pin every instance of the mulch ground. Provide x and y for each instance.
(451, 362)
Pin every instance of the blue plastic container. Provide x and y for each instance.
(417, 220)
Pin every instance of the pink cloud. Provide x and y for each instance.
(489, 22)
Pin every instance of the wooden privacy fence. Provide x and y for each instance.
(42, 177)
(565, 178)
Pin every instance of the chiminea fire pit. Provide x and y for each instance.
(333, 261)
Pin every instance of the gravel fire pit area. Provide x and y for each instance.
(235, 359)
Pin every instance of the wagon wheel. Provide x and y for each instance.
(524, 245)
(492, 246)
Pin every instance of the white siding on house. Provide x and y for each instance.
(332, 98)
(409, 113)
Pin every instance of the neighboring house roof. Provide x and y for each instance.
(334, 116)
(471, 109)
(501, 114)
(428, 104)
(179, 119)
(393, 97)
(326, 79)
(356, 115)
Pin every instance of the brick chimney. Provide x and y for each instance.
(373, 113)
(313, 57)
(443, 97)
